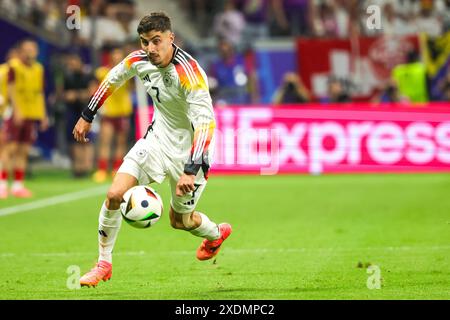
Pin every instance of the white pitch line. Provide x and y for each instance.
(228, 250)
(47, 202)
(66, 254)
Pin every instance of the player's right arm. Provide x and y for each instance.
(116, 77)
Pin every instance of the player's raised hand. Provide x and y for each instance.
(80, 130)
(185, 184)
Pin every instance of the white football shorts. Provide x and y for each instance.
(149, 161)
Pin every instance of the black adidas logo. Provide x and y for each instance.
(146, 78)
(189, 203)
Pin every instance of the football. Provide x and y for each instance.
(141, 207)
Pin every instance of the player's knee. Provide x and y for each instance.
(180, 221)
(176, 224)
(188, 221)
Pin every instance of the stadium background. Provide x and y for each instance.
(368, 101)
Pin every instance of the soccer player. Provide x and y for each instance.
(178, 143)
(115, 122)
(3, 106)
(78, 86)
(26, 95)
(11, 57)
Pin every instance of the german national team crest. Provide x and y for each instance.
(141, 153)
(168, 80)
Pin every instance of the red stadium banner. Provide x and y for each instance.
(333, 139)
(363, 63)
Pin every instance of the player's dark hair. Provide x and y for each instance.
(155, 21)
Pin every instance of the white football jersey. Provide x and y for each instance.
(183, 118)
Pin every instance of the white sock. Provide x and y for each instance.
(207, 229)
(17, 185)
(109, 223)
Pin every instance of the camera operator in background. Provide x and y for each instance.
(390, 94)
(292, 90)
(337, 93)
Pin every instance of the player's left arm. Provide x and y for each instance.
(201, 115)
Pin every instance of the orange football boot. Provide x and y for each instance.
(3, 192)
(21, 192)
(210, 248)
(101, 271)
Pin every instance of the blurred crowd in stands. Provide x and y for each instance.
(241, 20)
(234, 26)
(230, 28)
(238, 21)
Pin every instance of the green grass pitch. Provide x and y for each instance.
(294, 237)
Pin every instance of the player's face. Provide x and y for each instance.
(74, 63)
(226, 49)
(29, 51)
(158, 46)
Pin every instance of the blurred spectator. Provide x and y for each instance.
(354, 14)
(47, 15)
(289, 17)
(444, 12)
(324, 21)
(393, 24)
(114, 122)
(444, 87)
(11, 56)
(332, 18)
(53, 14)
(364, 16)
(291, 91)
(336, 92)
(201, 13)
(233, 77)
(405, 17)
(411, 79)
(428, 20)
(4, 110)
(342, 9)
(57, 108)
(109, 25)
(406, 8)
(390, 93)
(79, 85)
(338, 18)
(26, 94)
(256, 17)
(4, 70)
(229, 24)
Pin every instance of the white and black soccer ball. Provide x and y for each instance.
(141, 207)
